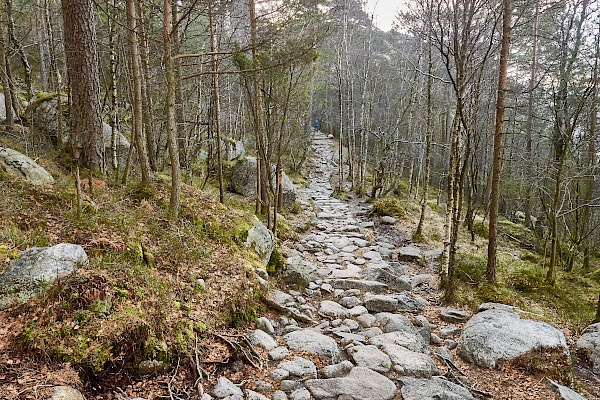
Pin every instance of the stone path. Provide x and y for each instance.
(360, 298)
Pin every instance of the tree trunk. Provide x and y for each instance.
(139, 134)
(43, 43)
(113, 94)
(217, 104)
(84, 82)
(495, 193)
(18, 47)
(182, 139)
(262, 198)
(428, 137)
(151, 142)
(4, 75)
(170, 111)
(529, 122)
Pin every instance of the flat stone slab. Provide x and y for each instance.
(395, 322)
(385, 275)
(300, 367)
(380, 303)
(262, 339)
(494, 335)
(313, 342)
(420, 279)
(453, 315)
(333, 309)
(410, 302)
(370, 357)
(224, 387)
(409, 253)
(386, 219)
(361, 383)
(433, 389)
(361, 284)
(433, 254)
(297, 271)
(411, 363)
(372, 255)
(282, 298)
(449, 331)
(411, 341)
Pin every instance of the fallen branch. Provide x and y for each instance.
(238, 348)
(526, 245)
(449, 374)
(288, 310)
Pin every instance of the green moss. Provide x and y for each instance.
(184, 335)
(241, 314)
(517, 231)
(481, 228)
(433, 205)
(595, 275)
(240, 233)
(402, 188)
(100, 307)
(276, 262)
(143, 191)
(389, 206)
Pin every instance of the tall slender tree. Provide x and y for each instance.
(495, 192)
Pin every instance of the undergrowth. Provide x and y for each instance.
(151, 288)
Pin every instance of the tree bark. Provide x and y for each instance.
(84, 83)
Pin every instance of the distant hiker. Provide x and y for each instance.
(316, 125)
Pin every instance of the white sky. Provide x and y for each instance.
(385, 12)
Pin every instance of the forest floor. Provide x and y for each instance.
(27, 374)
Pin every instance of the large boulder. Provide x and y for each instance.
(45, 121)
(37, 267)
(233, 149)
(495, 335)
(20, 165)
(361, 383)
(588, 345)
(297, 271)
(261, 240)
(243, 180)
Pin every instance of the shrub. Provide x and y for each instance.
(389, 206)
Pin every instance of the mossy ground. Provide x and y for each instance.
(149, 283)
